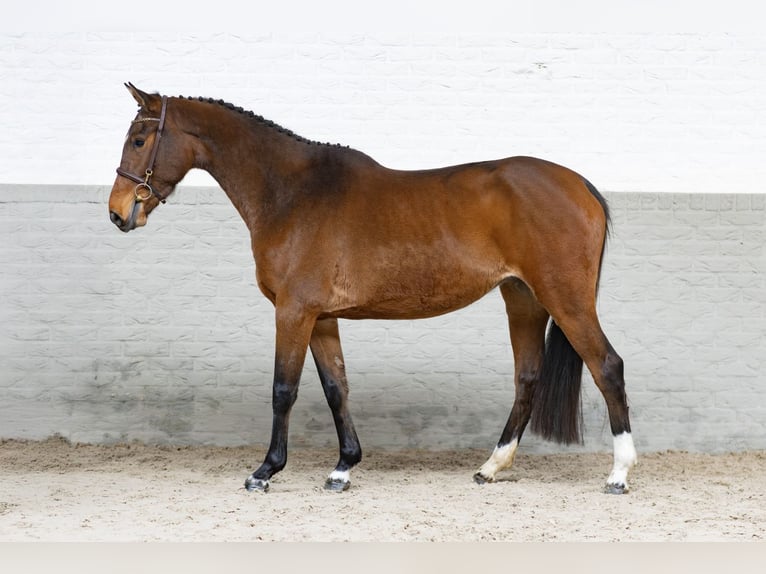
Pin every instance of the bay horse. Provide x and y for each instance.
(335, 234)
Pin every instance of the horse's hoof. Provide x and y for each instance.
(621, 488)
(336, 485)
(479, 478)
(253, 484)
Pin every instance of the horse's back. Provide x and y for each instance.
(510, 203)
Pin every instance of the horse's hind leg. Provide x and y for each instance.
(326, 349)
(582, 329)
(527, 321)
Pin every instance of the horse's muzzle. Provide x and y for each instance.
(125, 225)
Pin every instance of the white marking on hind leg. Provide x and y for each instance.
(624, 458)
(501, 458)
(340, 476)
(338, 481)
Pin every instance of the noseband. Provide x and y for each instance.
(144, 190)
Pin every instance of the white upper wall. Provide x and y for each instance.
(655, 112)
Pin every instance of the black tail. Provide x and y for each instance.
(556, 413)
(556, 405)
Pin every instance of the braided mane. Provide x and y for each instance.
(261, 120)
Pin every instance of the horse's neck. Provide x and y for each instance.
(251, 161)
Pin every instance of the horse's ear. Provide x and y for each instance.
(138, 95)
(144, 100)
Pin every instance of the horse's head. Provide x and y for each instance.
(149, 170)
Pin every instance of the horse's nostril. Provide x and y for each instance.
(116, 219)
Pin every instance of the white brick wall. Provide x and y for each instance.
(664, 112)
(161, 335)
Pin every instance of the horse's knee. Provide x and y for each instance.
(283, 397)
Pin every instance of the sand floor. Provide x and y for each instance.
(56, 491)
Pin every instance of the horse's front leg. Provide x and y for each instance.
(325, 346)
(293, 334)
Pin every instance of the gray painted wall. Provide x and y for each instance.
(161, 335)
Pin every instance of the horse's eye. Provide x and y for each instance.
(138, 143)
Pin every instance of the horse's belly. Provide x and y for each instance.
(416, 295)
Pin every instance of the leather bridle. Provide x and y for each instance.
(144, 189)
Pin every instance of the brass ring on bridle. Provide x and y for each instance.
(137, 192)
